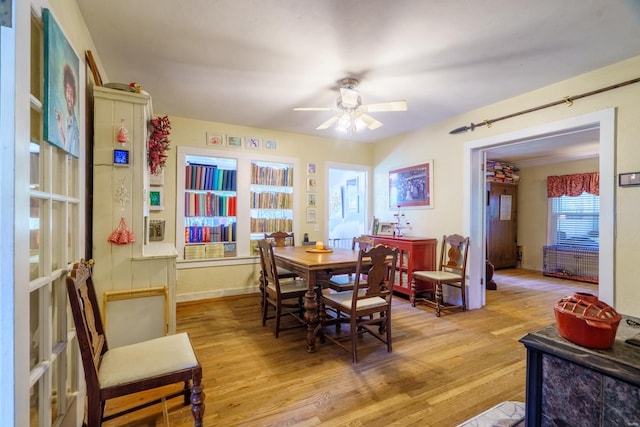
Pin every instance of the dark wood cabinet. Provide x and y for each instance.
(415, 253)
(502, 224)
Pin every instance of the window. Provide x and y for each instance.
(574, 221)
(54, 226)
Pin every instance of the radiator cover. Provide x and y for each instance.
(571, 262)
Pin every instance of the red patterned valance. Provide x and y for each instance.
(573, 185)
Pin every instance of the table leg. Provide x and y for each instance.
(311, 312)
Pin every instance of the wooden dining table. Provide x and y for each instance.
(314, 267)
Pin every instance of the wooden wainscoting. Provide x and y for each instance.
(442, 371)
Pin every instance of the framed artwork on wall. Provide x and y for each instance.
(61, 75)
(312, 184)
(216, 139)
(311, 199)
(234, 141)
(270, 144)
(252, 143)
(411, 186)
(312, 215)
(156, 199)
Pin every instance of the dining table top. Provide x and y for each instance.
(306, 257)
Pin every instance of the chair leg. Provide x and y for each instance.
(412, 294)
(265, 309)
(197, 402)
(388, 327)
(95, 410)
(438, 298)
(186, 393)
(464, 298)
(278, 315)
(354, 337)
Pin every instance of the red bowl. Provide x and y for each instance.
(585, 320)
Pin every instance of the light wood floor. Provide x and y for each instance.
(442, 371)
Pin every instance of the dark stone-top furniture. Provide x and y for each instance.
(571, 385)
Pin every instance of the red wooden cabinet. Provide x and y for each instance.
(414, 253)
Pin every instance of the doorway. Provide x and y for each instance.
(348, 203)
(475, 189)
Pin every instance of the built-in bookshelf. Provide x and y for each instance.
(227, 199)
(210, 207)
(271, 200)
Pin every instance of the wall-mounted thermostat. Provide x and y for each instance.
(120, 157)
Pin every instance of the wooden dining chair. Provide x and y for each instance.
(281, 238)
(366, 307)
(286, 298)
(451, 271)
(344, 282)
(122, 371)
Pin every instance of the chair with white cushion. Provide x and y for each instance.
(121, 371)
(367, 307)
(451, 272)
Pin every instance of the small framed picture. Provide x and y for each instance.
(252, 143)
(312, 215)
(216, 139)
(311, 168)
(234, 141)
(312, 184)
(311, 200)
(156, 199)
(270, 144)
(157, 179)
(385, 229)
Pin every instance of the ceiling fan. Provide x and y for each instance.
(352, 114)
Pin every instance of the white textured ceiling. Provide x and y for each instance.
(250, 62)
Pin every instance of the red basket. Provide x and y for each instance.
(585, 320)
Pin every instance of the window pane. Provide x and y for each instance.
(73, 168)
(34, 239)
(58, 176)
(34, 328)
(34, 166)
(34, 404)
(57, 304)
(575, 220)
(58, 234)
(72, 240)
(55, 401)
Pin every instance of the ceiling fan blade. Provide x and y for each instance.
(385, 106)
(313, 109)
(371, 122)
(350, 97)
(328, 123)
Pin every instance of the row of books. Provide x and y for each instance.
(270, 225)
(498, 171)
(209, 204)
(205, 233)
(266, 175)
(210, 250)
(209, 177)
(271, 200)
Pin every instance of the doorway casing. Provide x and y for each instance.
(474, 202)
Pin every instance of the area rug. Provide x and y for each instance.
(505, 414)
